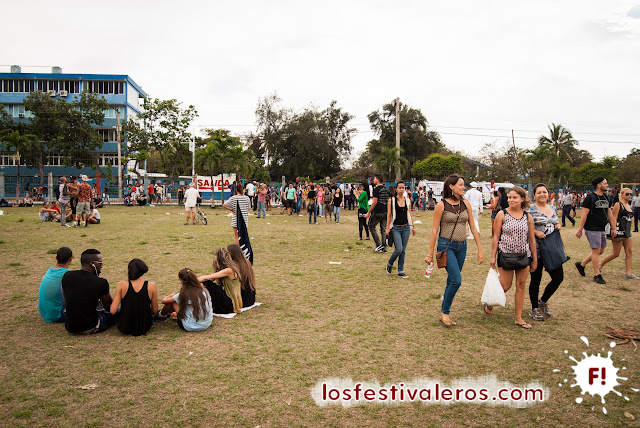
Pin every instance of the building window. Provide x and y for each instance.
(71, 86)
(110, 113)
(17, 110)
(108, 159)
(17, 85)
(54, 160)
(8, 159)
(107, 135)
(104, 87)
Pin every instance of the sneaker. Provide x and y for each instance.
(632, 276)
(64, 225)
(159, 317)
(402, 275)
(599, 279)
(388, 268)
(544, 308)
(580, 268)
(383, 250)
(536, 314)
(378, 249)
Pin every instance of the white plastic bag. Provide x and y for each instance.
(493, 294)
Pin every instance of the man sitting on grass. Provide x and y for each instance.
(47, 213)
(84, 289)
(50, 300)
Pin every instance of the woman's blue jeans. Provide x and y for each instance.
(336, 213)
(298, 205)
(455, 260)
(400, 236)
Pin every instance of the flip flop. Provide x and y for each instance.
(524, 325)
(490, 311)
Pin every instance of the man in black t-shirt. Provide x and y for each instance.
(596, 213)
(87, 296)
(377, 213)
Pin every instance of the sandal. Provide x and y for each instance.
(524, 325)
(488, 312)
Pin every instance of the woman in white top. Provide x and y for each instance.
(232, 204)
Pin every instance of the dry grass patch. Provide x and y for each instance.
(317, 320)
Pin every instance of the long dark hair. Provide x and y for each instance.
(451, 181)
(136, 269)
(504, 203)
(246, 270)
(191, 294)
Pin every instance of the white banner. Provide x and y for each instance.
(204, 182)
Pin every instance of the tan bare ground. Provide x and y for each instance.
(318, 320)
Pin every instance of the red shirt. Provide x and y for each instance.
(84, 192)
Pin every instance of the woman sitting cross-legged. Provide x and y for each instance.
(226, 291)
(138, 301)
(248, 279)
(192, 304)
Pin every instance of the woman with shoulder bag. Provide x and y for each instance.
(545, 221)
(515, 239)
(399, 216)
(451, 217)
(623, 213)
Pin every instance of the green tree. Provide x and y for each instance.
(536, 160)
(389, 160)
(629, 169)
(437, 166)
(416, 140)
(162, 128)
(310, 142)
(68, 128)
(13, 140)
(211, 159)
(559, 172)
(561, 141)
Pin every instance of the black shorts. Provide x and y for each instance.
(290, 203)
(73, 203)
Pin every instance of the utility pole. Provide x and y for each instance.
(398, 172)
(119, 153)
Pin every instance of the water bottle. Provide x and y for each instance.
(427, 274)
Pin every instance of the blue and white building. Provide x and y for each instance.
(120, 91)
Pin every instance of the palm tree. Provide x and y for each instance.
(561, 141)
(209, 159)
(389, 159)
(19, 142)
(559, 171)
(239, 160)
(538, 157)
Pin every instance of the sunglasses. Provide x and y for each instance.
(627, 194)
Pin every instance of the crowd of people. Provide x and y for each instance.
(82, 301)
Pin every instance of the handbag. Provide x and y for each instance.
(552, 251)
(441, 256)
(513, 261)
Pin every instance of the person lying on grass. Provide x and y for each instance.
(248, 279)
(192, 304)
(226, 294)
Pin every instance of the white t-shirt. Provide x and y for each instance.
(474, 197)
(250, 189)
(96, 214)
(191, 197)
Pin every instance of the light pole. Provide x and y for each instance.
(119, 153)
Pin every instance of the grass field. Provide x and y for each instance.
(318, 320)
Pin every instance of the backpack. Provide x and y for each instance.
(57, 191)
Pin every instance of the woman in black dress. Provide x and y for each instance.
(138, 301)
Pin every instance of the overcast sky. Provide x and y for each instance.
(472, 67)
